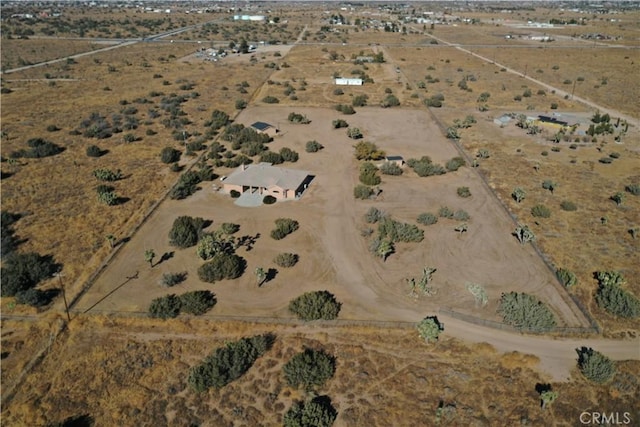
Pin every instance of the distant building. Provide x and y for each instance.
(266, 128)
(249, 17)
(348, 82)
(268, 180)
(398, 160)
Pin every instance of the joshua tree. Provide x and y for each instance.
(461, 228)
(547, 397)
(618, 198)
(518, 194)
(111, 239)
(149, 255)
(261, 275)
(385, 249)
(523, 234)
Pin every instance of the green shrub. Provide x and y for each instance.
(396, 231)
(360, 100)
(270, 100)
(454, 164)
(339, 123)
(463, 192)
(269, 200)
(567, 277)
(169, 155)
(317, 412)
(234, 194)
(390, 101)
(94, 151)
(284, 227)
(368, 174)
(374, 215)
(298, 118)
(222, 266)
(391, 168)
(107, 175)
(611, 297)
(228, 363)
(313, 147)
(309, 369)
(427, 218)
(461, 215)
(362, 192)
(569, 206)
(595, 366)
(286, 260)
(186, 231)
(423, 168)
(166, 307)
(315, 305)
(445, 212)
(172, 279)
(197, 302)
(526, 312)
(288, 155)
(540, 211)
(20, 272)
(354, 133)
(633, 189)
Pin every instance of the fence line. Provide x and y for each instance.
(569, 299)
(504, 327)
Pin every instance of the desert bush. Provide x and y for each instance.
(107, 175)
(614, 155)
(605, 160)
(454, 164)
(550, 185)
(390, 101)
(354, 133)
(518, 194)
(445, 212)
(424, 167)
(359, 100)
(166, 307)
(540, 211)
(228, 363)
(172, 279)
(169, 155)
(197, 302)
(368, 174)
(317, 412)
(298, 118)
(396, 231)
(429, 328)
(234, 194)
(567, 277)
(345, 109)
(568, 206)
(94, 151)
(222, 266)
(21, 272)
(368, 151)
(611, 297)
(284, 227)
(313, 146)
(391, 168)
(633, 189)
(362, 192)
(595, 366)
(286, 260)
(269, 200)
(288, 155)
(463, 192)
(461, 215)
(618, 198)
(338, 92)
(427, 218)
(186, 231)
(315, 305)
(374, 215)
(38, 148)
(526, 312)
(339, 123)
(270, 100)
(309, 369)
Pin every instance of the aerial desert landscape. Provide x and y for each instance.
(320, 213)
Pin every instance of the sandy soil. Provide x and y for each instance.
(333, 254)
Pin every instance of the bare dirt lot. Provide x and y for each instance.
(334, 255)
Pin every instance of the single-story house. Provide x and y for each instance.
(266, 128)
(348, 82)
(398, 160)
(265, 179)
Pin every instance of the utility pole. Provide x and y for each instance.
(573, 89)
(64, 295)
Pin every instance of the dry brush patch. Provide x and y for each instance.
(383, 377)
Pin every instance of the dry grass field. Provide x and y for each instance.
(139, 366)
(139, 369)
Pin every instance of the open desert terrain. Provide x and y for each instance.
(111, 130)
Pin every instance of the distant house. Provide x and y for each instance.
(348, 82)
(364, 59)
(268, 180)
(398, 160)
(266, 128)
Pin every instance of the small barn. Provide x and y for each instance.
(265, 128)
(341, 81)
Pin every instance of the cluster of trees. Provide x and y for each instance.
(38, 148)
(315, 306)
(368, 151)
(247, 140)
(613, 298)
(526, 312)
(425, 167)
(170, 306)
(21, 273)
(284, 227)
(228, 363)
(188, 181)
(285, 155)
